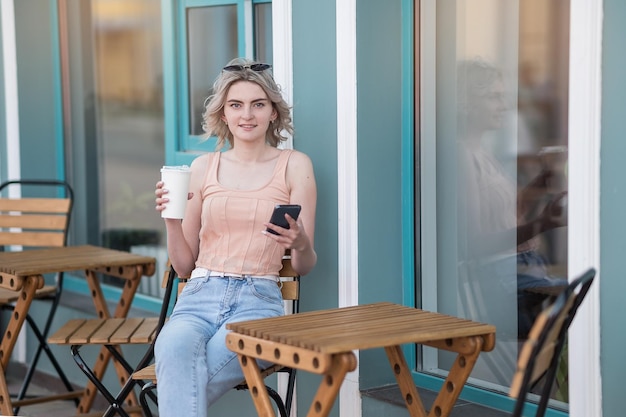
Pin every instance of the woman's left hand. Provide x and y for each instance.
(294, 238)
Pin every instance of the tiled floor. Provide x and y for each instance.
(40, 386)
(391, 394)
(42, 383)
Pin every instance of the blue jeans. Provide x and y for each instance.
(193, 365)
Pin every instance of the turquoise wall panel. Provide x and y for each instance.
(314, 111)
(40, 155)
(379, 126)
(612, 203)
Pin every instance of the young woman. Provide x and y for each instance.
(222, 242)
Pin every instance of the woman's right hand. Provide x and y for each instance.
(161, 200)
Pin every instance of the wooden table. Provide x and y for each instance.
(23, 271)
(322, 342)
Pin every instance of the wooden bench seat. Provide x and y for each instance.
(112, 331)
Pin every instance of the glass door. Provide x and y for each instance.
(493, 170)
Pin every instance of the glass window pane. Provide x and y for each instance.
(212, 42)
(501, 170)
(263, 32)
(130, 140)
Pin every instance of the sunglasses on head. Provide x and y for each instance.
(252, 67)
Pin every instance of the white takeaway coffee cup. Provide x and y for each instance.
(176, 182)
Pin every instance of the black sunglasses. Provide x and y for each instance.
(253, 67)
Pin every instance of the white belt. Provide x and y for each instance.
(203, 272)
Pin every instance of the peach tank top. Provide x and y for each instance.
(232, 221)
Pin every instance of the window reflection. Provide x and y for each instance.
(501, 222)
(212, 37)
(501, 152)
(130, 137)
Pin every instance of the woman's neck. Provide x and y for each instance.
(251, 153)
(247, 153)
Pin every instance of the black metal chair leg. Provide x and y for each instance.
(277, 400)
(291, 385)
(114, 406)
(116, 403)
(43, 343)
(148, 389)
(43, 347)
(130, 383)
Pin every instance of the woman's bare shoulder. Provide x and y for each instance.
(300, 159)
(300, 169)
(202, 160)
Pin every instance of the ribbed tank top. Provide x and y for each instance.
(232, 221)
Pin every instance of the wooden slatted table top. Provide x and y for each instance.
(69, 258)
(362, 327)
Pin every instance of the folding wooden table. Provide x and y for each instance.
(23, 271)
(323, 342)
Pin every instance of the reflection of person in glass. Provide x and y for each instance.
(501, 222)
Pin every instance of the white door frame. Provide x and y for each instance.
(585, 97)
(347, 182)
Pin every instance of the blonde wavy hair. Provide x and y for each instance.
(212, 122)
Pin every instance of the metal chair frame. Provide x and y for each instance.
(41, 333)
(540, 355)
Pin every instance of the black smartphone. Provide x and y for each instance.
(278, 215)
